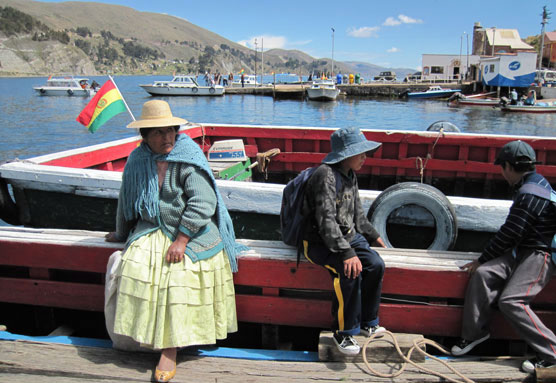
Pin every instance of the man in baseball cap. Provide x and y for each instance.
(516, 264)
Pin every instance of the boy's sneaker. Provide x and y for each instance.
(463, 346)
(368, 331)
(529, 365)
(346, 344)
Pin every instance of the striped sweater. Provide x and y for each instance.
(526, 213)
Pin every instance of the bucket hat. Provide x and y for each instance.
(156, 114)
(348, 142)
(516, 152)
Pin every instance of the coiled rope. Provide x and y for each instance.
(407, 359)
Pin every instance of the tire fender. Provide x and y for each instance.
(194, 89)
(70, 92)
(444, 125)
(42, 91)
(212, 90)
(424, 196)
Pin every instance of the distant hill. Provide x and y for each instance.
(104, 38)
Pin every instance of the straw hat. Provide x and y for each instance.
(156, 114)
(348, 142)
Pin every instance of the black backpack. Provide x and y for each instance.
(292, 220)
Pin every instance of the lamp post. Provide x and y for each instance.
(493, 40)
(545, 17)
(467, 58)
(332, 71)
(255, 62)
(460, 65)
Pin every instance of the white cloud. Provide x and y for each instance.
(401, 19)
(363, 32)
(393, 50)
(268, 42)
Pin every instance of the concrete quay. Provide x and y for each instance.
(390, 90)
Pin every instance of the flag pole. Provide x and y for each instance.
(123, 99)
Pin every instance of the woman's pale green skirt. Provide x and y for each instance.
(163, 305)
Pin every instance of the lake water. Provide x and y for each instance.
(32, 125)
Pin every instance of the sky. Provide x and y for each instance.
(391, 34)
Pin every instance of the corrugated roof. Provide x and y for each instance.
(506, 37)
(550, 36)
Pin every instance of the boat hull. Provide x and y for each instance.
(528, 109)
(431, 94)
(183, 91)
(322, 94)
(479, 102)
(70, 92)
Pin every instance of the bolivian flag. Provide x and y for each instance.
(105, 104)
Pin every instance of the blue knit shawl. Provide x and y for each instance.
(140, 188)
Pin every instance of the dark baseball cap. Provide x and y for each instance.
(516, 152)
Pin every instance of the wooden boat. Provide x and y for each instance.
(64, 269)
(49, 190)
(182, 85)
(434, 91)
(481, 99)
(323, 90)
(539, 107)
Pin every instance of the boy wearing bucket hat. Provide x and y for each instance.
(516, 264)
(338, 235)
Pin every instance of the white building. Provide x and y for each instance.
(448, 68)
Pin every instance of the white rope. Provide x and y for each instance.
(407, 359)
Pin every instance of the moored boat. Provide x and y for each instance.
(481, 99)
(49, 189)
(323, 90)
(538, 107)
(433, 92)
(182, 85)
(66, 86)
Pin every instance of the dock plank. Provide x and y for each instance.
(24, 361)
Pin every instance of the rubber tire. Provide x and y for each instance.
(194, 90)
(70, 92)
(212, 90)
(424, 196)
(445, 125)
(42, 91)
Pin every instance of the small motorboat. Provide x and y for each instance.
(323, 90)
(248, 80)
(182, 85)
(66, 86)
(538, 107)
(433, 92)
(480, 99)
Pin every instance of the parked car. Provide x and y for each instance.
(385, 76)
(413, 77)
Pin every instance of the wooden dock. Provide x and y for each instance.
(41, 362)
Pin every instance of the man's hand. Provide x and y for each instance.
(352, 267)
(379, 243)
(471, 266)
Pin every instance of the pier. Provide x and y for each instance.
(298, 91)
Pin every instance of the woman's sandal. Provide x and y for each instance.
(163, 376)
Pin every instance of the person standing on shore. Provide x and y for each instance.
(516, 264)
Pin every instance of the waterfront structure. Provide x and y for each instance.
(549, 50)
(510, 69)
(447, 67)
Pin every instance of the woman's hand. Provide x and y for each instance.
(112, 237)
(176, 250)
